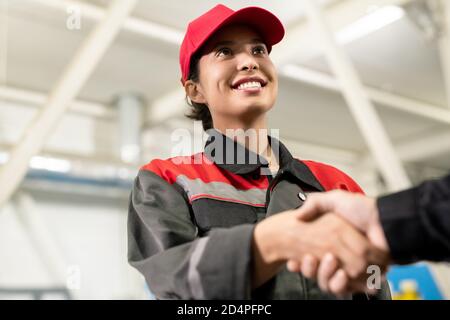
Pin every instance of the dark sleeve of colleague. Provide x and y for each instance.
(416, 222)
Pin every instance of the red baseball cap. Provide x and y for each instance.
(201, 29)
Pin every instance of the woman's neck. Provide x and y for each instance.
(254, 135)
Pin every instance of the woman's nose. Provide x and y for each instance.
(248, 63)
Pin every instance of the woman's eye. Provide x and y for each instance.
(223, 52)
(259, 50)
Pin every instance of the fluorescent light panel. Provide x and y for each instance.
(50, 164)
(370, 23)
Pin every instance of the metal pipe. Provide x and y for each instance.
(130, 109)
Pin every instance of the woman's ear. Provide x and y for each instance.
(193, 92)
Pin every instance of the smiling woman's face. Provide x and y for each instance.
(237, 79)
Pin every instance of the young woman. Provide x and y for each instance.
(221, 224)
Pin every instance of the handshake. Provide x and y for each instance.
(335, 238)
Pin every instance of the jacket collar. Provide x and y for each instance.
(232, 156)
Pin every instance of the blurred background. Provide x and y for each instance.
(90, 91)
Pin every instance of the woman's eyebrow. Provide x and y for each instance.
(231, 43)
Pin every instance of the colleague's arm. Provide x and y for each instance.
(416, 222)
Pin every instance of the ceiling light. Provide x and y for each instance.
(50, 164)
(3, 157)
(370, 23)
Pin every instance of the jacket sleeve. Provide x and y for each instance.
(416, 222)
(163, 244)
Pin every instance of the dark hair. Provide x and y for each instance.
(199, 111)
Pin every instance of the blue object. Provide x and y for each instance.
(421, 274)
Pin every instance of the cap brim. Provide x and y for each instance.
(268, 26)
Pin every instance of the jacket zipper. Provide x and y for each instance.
(272, 183)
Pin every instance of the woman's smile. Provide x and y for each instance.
(249, 85)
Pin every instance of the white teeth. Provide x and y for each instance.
(246, 85)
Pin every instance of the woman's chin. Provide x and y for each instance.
(253, 111)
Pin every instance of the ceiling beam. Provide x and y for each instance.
(91, 160)
(35, 98)
(384, 98)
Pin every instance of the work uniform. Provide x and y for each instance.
(191, 220)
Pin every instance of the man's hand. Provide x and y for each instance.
(358, 210)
